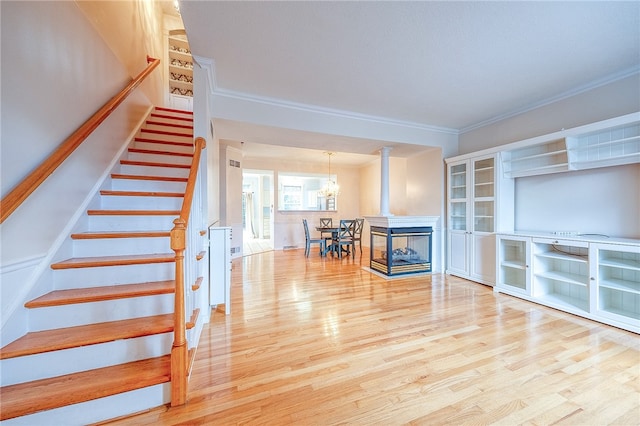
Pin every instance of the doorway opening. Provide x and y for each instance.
(257, 211)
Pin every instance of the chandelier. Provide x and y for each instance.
(331, 188)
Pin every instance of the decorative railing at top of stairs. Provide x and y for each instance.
(186, 241)
(24, 189)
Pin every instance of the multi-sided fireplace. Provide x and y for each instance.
(403, 247)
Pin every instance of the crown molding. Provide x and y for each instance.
(209, 66)
(565, 95)
(330, 111)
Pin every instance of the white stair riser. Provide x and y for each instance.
(96, 312)
(154, 171)
(112, 275)
(67, 361)
(127, 223)
(120, 246)
(147, 185)
(163, 147)
(100, 409)
(130, 202)
(159, 158)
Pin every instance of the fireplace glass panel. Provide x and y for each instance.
(401, 250)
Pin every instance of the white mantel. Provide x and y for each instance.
(391, 221)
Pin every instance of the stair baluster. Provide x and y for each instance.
(185, 238)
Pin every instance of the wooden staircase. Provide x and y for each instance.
(100, 340)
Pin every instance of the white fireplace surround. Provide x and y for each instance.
(391, 221)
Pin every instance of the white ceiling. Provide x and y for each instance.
(447, 64)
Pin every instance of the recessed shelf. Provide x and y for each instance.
(562, 256)
(567, 302)
(621, 285)
(565, 277)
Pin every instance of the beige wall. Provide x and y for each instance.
(57, 70)
(425, 184)
(132, 30)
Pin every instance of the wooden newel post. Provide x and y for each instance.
(179, 348)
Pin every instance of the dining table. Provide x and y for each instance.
(333, 247)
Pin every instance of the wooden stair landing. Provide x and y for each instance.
(27, 398)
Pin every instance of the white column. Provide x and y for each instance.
(384, 181)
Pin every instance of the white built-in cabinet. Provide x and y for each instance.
(180, 64)
(480, 200)
(597, 278)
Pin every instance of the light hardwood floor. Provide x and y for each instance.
(320, 341)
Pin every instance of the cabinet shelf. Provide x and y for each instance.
(565, 277)
(485, 168)
(621, 285)
(541, 155)
(612, 146)
(624, 313)
(547, 157)
(631, 264)
(562, 256)
(513, 265)
(565, 302)
(180, 70)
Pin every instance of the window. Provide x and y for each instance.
(303, 191)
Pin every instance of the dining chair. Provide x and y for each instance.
(357, 233)
(326, 222)
(308, 241)
(344, 236)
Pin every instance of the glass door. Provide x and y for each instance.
(483, 194)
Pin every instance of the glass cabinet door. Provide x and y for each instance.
(483, 174)
(483, 193)
(458, 215)
(458, 182)
(458, 203)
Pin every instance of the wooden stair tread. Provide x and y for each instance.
(102, 212)
(154, 164)
(149, 177)
(141, 193)
(161, 123)
(98, 294)
(156, 115)
(115, 234)
(133, 259)
(179, 111)
(46, 394)
(162, 142)
(160, 152)
(164, 132)
(38, 342)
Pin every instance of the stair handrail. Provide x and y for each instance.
(29, 184)
(179, 354)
